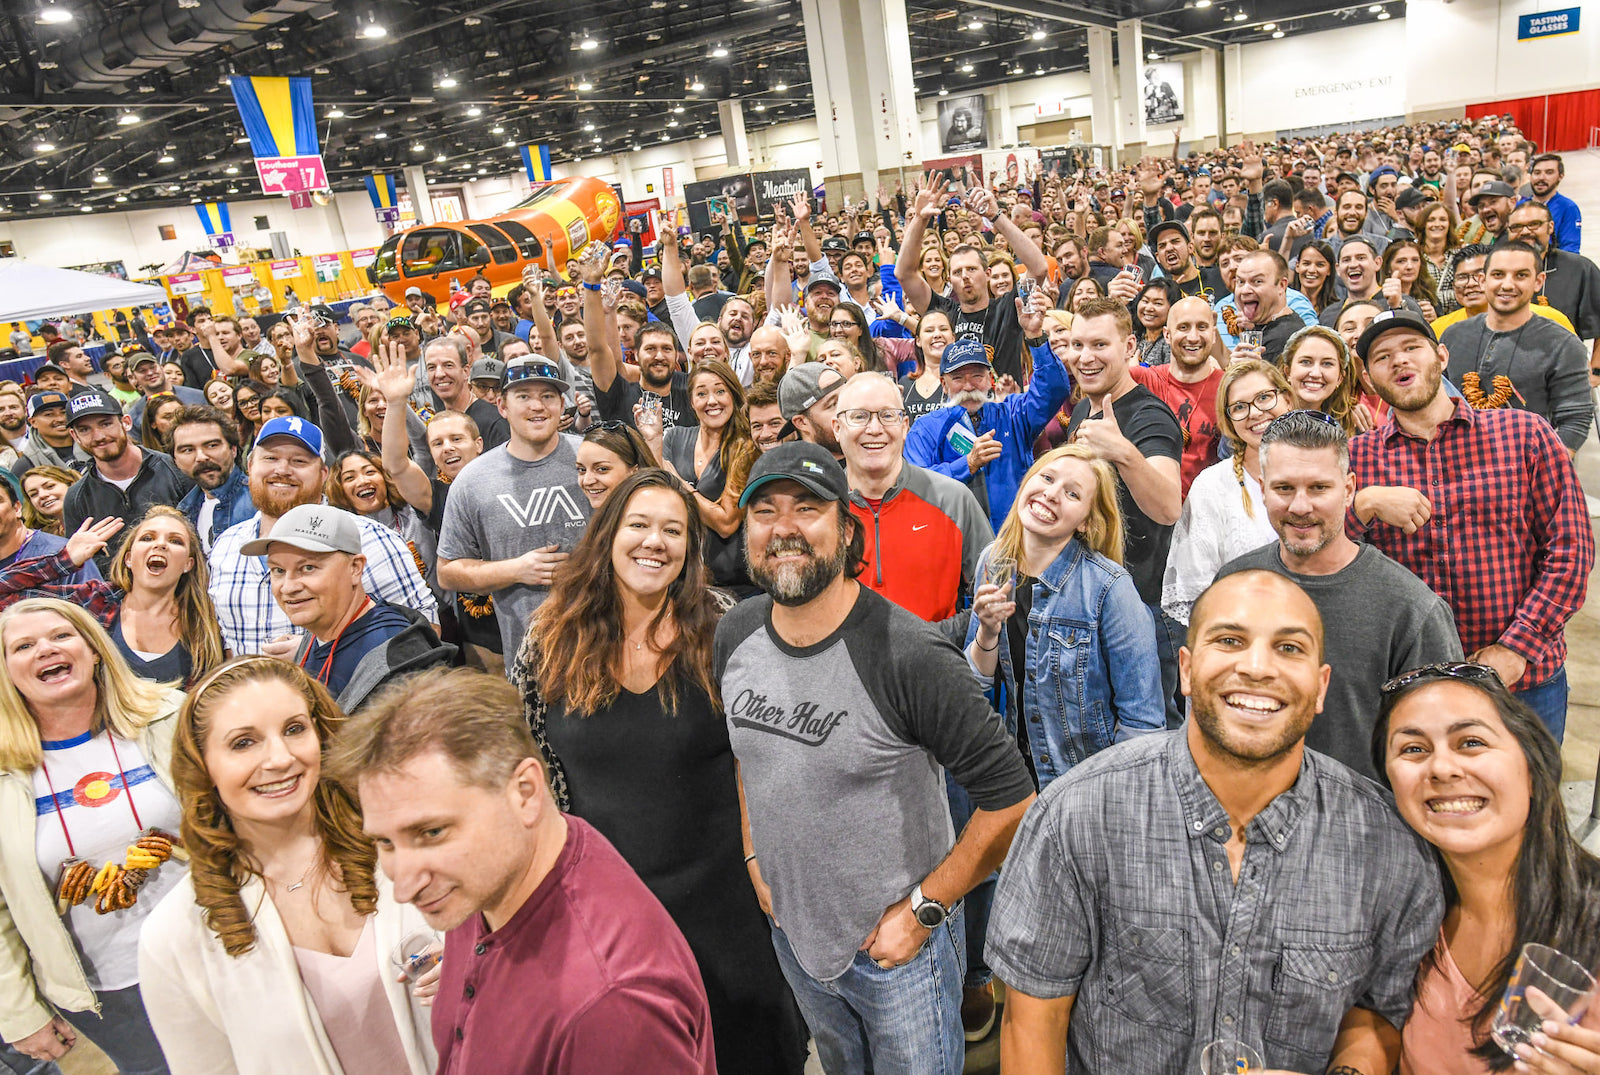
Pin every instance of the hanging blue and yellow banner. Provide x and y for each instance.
(281, 123)
(536, 159)
(215, 220)
(385, 203)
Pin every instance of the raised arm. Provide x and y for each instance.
(335, 424)
(604, 354)
(801, 206)
(395, 380)
(924, 207)
(534, 282)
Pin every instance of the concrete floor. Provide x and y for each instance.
(1580, 750)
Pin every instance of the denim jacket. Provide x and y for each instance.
(1093, 678)
(233, 502)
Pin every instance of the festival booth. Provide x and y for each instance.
(259, 287)
(30, 292)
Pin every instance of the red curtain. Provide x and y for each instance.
(1559, 122)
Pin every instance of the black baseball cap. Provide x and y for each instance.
(1392, 321)
(651, 273)
(475, 306)
(864, 236)
(1410, 198)
(92, 402)
(833, 244)
(1167, 225)
(1492, 189)
(811, 465)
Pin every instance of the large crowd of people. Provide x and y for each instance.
(761, 643)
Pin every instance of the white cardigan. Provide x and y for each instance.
(215, 1014)
(1213, 529)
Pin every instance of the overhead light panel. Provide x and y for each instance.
(511, 143)
(474, 111)
(782, 87)
(1269, 26)
(85, 208)
(697, 86)
(372, 29)
(380, 135)
(497, 129)
(53, 13)
(165, 158)
(232, 169)
(418, 147)
(1277, 33)
(127, 119)
(760, 107)
(1153, 55)
(719, 53)
(121, 198)
(677, 110)
(585, 86)
(44, 147)
(1202, 3)
(336, 113)
(439, 158)
(588, 127)
(447, 83)
(975, 23)
(46, 196)
(588, 44)
(966, 68)
(943, 92)
(102, 179)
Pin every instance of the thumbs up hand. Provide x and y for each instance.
(1103, 436)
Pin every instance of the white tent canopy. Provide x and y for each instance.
(30, 292)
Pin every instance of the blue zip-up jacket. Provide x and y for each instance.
(1016, 422)
(1093, 678)
(233, 503)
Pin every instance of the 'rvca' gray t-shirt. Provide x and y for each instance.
(501, 507)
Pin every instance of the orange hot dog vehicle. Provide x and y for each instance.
(545, 229)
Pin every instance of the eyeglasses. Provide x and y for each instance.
(1263, 402)
(530, 371)
(1471, 276)
(1468, 671)
(858, 418)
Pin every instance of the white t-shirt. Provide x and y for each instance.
(208, 512)
(95, 810)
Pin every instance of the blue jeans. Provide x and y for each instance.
(1549, 701)
(122, 1031)
(904, 1021)
(975, 903)
(1169, 636)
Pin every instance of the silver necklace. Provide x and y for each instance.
(300, 883)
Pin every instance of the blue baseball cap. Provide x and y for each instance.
(40, 400)
(292, 426)
(966, 351)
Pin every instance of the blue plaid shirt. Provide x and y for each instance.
(242, 590)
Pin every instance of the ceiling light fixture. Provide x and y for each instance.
(1269, 26)
(497, 129)
(372, 29)
(975, 23)
(232, 169)
(380, 135)
(719, 53)
(102, 179)
(1277, 33)
(418, 147)
(782, 87)
(336, 113)
(46, 196)
(966, 68)
(697, 86)
(54, 14)
(702, 134)
(127, 119)
(588, 127)
(1152, 55)
(1382, 15)
(85, 208)
(677, 110)
(585, 86)
(588, 44)
(165, 158)
(121, 198)
(44, 147)
(760, 107)
(672, 123)
(1202, 3)
(474, 111)
(511, 143)
(943, 92)
(439, 158)
(447, 83)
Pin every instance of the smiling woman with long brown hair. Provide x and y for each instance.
(273, 955)
(616, 680)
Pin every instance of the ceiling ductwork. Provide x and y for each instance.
(164, 33)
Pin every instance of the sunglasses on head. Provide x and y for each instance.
(530, 371)
(1466, 671)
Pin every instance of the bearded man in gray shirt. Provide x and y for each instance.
(843, 711)
(1306, 486)
(1217, 881)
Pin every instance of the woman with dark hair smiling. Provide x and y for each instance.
(616, 679)
(1476, 774)
(1314, 276)
(1149, 309)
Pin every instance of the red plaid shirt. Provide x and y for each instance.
(41, 577)
(1509, 545)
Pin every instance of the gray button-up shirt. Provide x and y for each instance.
(1117, 891)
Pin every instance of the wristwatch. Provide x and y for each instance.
(929, 912)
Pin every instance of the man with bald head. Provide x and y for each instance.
(768, 354)
(1189, 382)
(1217, 880)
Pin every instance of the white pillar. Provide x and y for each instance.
(417, 187)
(860, 60)
(1130, 83)
(1207, 93)
(1232, 95)
(735, 143)
(1103, 125)
(1004, 122)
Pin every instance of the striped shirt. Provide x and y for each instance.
(242, 590)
